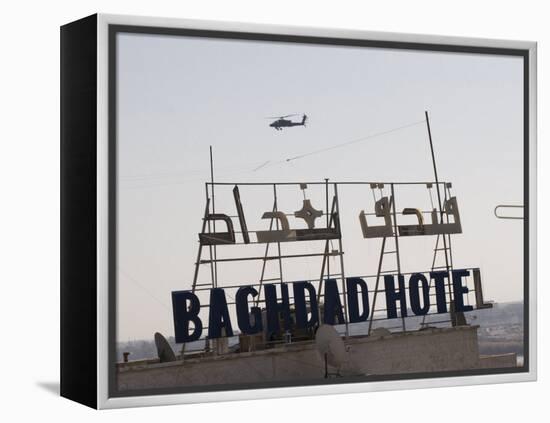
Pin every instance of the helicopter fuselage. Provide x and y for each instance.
(279, 124)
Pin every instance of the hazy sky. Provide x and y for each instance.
(178, 95)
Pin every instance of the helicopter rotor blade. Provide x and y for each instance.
(282, 117)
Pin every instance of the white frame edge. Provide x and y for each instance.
(103, 400)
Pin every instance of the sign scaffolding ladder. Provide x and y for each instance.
(380, 272)
(445, 239)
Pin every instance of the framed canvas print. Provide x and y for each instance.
(258, 211)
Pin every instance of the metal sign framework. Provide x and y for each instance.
(279, 233)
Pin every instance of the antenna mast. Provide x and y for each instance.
(445, 249)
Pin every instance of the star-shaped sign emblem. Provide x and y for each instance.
(308, 213)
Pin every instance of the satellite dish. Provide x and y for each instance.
(331, 347)
(164, 350)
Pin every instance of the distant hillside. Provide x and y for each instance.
(501, 328)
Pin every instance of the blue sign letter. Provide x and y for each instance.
(353, 302)
(333, 305)
(459, 290)
(439, 278)
(273, 308)
(415, 294)
(219, 315)
(392, 296)
(183, 314)
(243, 316)
(301, 307)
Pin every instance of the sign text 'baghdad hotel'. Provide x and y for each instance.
(186, 305)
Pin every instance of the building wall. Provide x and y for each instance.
(421, 351)
(410, 352)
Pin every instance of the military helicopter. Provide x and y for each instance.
(281, 122)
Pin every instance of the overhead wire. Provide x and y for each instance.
(138, 284)
(334, 147)
(268, 163)
(345, 144)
